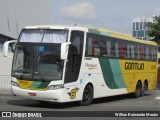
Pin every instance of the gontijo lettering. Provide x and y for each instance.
(134, 66)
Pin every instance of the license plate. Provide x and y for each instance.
(32, 94)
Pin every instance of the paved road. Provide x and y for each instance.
(116, 103)
(150, 102)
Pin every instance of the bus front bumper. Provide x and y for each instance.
(46, 95)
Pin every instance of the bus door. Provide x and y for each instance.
(74, 57)
(74, 60)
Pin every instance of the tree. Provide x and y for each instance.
(154, 29)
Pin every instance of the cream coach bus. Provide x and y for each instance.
(71, 63)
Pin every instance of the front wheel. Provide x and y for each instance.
(87, 96)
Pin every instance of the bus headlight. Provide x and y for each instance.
(54, 87)
(14, 84)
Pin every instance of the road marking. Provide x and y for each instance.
(157, 98)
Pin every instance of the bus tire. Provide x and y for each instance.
(87, 96)
(145, 88)
(138, 90)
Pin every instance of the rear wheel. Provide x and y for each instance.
(145, 88)
(87, 96)
(138, 91)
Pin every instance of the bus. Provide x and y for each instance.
(71, 63)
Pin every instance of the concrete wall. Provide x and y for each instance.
(5, 73)
(15, 14)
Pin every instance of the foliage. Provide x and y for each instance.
(154, 29)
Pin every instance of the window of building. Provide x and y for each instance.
(137, 25)
(134, 33)
(140, 25)
(140, 33)
(133, 25)
(144, 25)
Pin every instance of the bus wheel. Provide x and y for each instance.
(145, 87)
(87, 96)
(138, 91)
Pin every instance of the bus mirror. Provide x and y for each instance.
(6, 47)
(64, 50)
(13, 46)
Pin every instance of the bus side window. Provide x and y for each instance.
(141, 51)
(93, 47)
(116, 50)
(77, 40)
(128, 51)
(122, 50)
(132, 51)
(150, 54)
(155, 54)
(96, 47)
(147, 53)
(104, 47)
(112, 49)
(108, 45)
(88, 51)
(136, 48)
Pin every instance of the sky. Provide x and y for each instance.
(116, 15)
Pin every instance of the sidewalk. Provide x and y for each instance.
(5, 92)
(5, 85)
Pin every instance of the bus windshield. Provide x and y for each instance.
(37, 62)
(43, 36)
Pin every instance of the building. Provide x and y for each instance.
(140, 28)
(14, 15)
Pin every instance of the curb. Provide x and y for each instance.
(5, 92)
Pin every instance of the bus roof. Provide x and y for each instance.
(70, 27)
(113, 34)
(99, 31)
